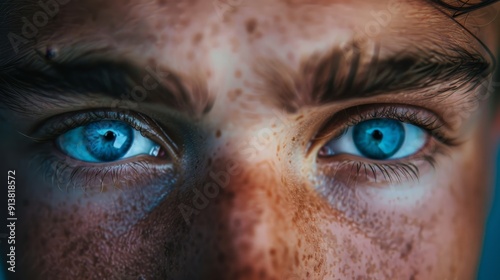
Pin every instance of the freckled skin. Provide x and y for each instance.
(270, 219)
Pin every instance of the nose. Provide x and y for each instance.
(251, 223)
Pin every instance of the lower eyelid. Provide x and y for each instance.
(66, 173)
(365, 173)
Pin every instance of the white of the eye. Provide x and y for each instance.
(415, 139)
(344, 144)
(141, 146)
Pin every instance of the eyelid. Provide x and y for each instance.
(52, 127)
(337, 124)
(67, 173)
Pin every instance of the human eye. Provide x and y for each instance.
(105, 148)
(378, 139)
(380, 144)
(106, 141)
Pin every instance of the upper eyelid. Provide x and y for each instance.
(341, 120)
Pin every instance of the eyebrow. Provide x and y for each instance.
(339, 75)
(349, 73)
(41, 79)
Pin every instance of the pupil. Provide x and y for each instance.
(377, 135)
(109, 135)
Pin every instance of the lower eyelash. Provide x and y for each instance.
(66, 177)
(353, 172)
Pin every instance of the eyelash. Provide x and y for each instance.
(140, 171)
(68, 174)
(392, 171)
(403, 113)
(56, 127)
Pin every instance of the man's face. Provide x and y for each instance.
(248, 140)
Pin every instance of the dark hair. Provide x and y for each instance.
(460, 7)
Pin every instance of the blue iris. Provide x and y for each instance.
(107, 140)
(378, 138)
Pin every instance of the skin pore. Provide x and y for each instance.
(242, 100)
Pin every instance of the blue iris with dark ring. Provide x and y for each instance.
(378, 138)
(108, 140)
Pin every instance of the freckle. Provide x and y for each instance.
(234, 94)
(183, 22)
(251, 25)
(272, 251)
(190, 55)
(269, 193)
(215, 29)
(218, 133)
(197, 38)
(237, 74)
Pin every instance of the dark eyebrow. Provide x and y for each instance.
(462, 7)
(45, 80)
(349, 73)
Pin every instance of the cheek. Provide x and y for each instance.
(73, 232)
(429, 230)
(464, 205)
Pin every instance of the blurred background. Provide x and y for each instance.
(489, 268)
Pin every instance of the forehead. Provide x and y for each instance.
(172, 30)
(220, 47)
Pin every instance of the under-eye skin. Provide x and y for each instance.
(105, 148)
